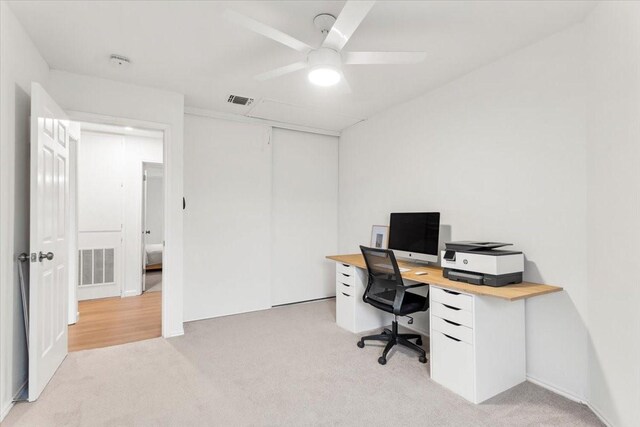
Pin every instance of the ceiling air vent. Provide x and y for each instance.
(240, 100)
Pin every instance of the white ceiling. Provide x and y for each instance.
(188, 47)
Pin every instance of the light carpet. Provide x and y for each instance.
(153, 281)
(288, 366)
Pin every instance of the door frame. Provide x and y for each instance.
(143, 211)
(170, 167)
(74, 140)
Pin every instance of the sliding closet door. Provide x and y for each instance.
(305, 215)
(227, 220)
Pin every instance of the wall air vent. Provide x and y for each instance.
(96, 267)
(240, 100)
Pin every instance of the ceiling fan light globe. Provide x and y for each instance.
(324, 76)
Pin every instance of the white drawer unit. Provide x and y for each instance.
(348, 279)
(452, 329)
(352, 313)
(452, 298)
(345, 315)
(477, 343)
(449, 312)
(345, 268)
(454, 369)
(344, 288)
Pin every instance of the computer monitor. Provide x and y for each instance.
(414, 235)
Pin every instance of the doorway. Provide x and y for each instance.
(112, 305)
(152, 226)
(53, 264)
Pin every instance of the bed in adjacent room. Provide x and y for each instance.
(153, 256)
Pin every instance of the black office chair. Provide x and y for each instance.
(386, 291)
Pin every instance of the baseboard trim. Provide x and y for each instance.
(556, 390)
(215, 316)
(134, 293)
(303, 302)
(175, 334)
(5, 410)
(599, 415)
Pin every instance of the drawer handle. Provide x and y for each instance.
(451, 338)
(346, 265)
(348, 286)
(451, 292)
(346, 275)
(346, 295)
(452, 323)
(451, 307)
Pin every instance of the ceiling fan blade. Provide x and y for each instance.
(265, 30)
(348, 21)
(281, 71)
(383, 57)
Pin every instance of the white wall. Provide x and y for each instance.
(110, 202)
(136, 104)
(613, 135)
(501, 154)
(100, 182)
(227, 218)
(20, 64)
(304, 215)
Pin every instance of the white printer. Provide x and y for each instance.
(481, 263)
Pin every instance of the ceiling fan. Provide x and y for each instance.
(325, 63)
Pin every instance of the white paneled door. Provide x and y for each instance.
(49, 239)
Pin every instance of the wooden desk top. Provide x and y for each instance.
(434, 277)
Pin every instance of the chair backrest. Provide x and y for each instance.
(384, 274)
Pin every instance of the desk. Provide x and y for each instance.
(477, 333)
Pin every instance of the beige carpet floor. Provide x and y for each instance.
(153, 281)
(288, 366)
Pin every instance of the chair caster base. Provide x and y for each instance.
(419, 341)
(360, 344)
(422, 359)
(382, 360)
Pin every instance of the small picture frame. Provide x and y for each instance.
(379, 236)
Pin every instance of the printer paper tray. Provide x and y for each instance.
(482, 279)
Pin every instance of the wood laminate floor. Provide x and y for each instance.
(111, 321)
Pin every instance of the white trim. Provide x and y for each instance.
(73, 233)
(5, 410)
(119, 130)
(599, 415)
(557, 390)
(235, 313)
(131, 293)
(253, 120)
(168, 286)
